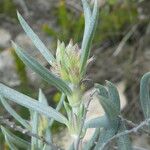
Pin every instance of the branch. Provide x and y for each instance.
(132, 124)
(133, 130)
(12, 125)
(83, 120)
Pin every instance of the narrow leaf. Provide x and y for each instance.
(43, 72)
(31, 103)
(87, 11)
(14, 113)
(35, 39)
(88, 36)
(47, 131)
(14, 139)
(144, 94)
(35, 124)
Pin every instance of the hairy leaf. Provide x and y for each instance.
(14, 113)
(14, 140)
(35, 39)
(109, 107)
(97, 122)
(31, 103)
(90, 26)
(39, 69)
(123, 142)
(144, 94)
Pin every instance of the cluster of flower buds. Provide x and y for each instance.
(67, 65)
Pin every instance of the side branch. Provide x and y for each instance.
(133, 130)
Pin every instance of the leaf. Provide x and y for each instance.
(47, 132)
(97, 122)
(144, 94)
(14, 140)
(102, 90)
(35, 125)
(109, 107)
(14, 113)
(123, 142)
(87, 11)
(35, 39)
(43, 72)
(105, 135)
(113, 94)
(89, 31)
(90, 144)
(31, 103)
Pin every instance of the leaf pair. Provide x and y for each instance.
(36, 66)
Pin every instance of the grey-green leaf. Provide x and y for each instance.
(43, 72)
(102, 90)
(98, 122)
(14, 113)
(109, 107)
(35, 39)
(91, 143)
(13, 139)
(144, 94)
(31, 103)
(113, 94)
(123, 142)
(34, 123)
(89, 31)
(48, 137)
(105, 135)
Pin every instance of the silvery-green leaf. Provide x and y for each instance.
(109, 107)
(113, 94)
(91, 143)
(14, 113)
(87, 11)
(35, 39)
(123, 142)
(145, 95)
(35, 124)
(98, 122)
(90, 27)
(47, 134)
(14, 140)
(31, 103)
(102, 90)
(42, 71)
(105, 135)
